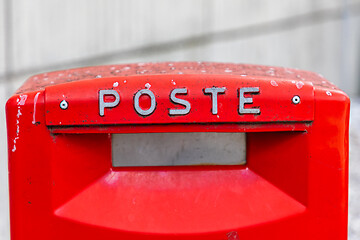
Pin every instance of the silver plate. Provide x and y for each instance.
(175, 149)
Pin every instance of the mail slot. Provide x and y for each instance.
(178, 150)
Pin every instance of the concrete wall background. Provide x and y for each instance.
(317, 35)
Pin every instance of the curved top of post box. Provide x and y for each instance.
(40, 81)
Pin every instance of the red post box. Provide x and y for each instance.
(178, 151)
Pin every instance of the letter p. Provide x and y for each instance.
(103, 104)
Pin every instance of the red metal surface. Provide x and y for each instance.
(273, 100)
(294, 185)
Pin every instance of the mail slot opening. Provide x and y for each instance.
(178, 149)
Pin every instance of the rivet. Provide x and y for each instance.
(64, 105)
(296, 99)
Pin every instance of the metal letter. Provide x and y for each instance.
(243, 100)
(103, 104)
(214, 93)
(137, 107)
(179, 101)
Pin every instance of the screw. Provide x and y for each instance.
(295, 99)
(64, 105)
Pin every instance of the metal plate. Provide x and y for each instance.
(178, 149)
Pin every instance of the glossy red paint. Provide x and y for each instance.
(274, 102)
(63, 185)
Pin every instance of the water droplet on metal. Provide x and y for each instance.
(274, 83)
(299, 85)
(271, 72)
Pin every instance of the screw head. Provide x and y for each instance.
(295, 99)
(64, 105)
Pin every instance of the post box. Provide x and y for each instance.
(188, 150)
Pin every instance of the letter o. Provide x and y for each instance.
(137, 107)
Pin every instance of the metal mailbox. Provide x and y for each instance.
(170, 150)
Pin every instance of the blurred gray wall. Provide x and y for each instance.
(38, 36)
